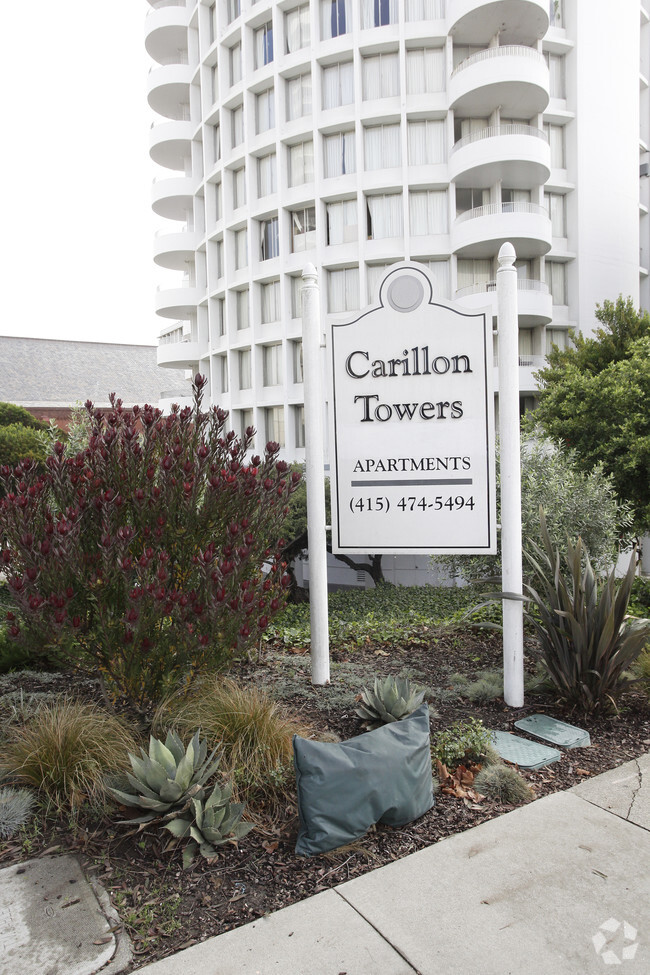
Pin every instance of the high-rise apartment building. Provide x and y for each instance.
(353, 134)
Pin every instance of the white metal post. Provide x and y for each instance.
(511, 544)
(315, 475)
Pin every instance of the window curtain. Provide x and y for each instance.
(334, 17)
(376, 13)
(297, 28)
(298, 371)
(375, 274)
(554, 273)
(380, 76)
(245, 369)
(340, 154)
(425, 70)
(241, 248)
(301, 163)
(265, 103)
(382, 146)
(266, 173)
(471, 272)
(271, 302)
(385, 216)
(298, 96)
(341, 222)
(425, 9)
(296, 298)
(556, 336)
(239, 187)
(429, 213)
(270, 240)
(303, 227)
(555, 205)
(299, 420)
(264, 45)
(237, 118)
(427, 142)
(223, 370)
(272, 365)
(555, 135)
(556, 75)
(242, 310)
(338, 85)
(439, 271)
(274, 417)
(343, 290)
(235, 64)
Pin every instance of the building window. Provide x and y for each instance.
(219, 253)
(555, 135)
(555, 64)
(429, 213)
(301, 163)
(218, 211)
(425, 70)
(274, 422)
(557, 13)
(335, 17)
(235, 64)
(376, 13)
(439, 271)
(512, 200)
(237, 125)
(245, 378)
(343, 290)
(296, 28)
(265, 110)
(296, 297)
(555, 276)
(424, 10)
(266, 175)
(238, 187)
(556, 337)
(427, 142)
(241, 248)
(241, 306)
(382, 146)
(216, 143)
(270, 300)
(221, 317)
(556, 205)
(212, 23)
(223, 373)
(299, 425)
(380, 75)
(375, 274)
(473, 273)
(264, 45)
(342, 223)
(303, 229)
(215, 83)
(272, 365)
(296, 356)
(338, 84)
(246, 423)
(340, 154)
(234, 9)
(470, 199)
(384, 216)
(269, 239)
(298, 96)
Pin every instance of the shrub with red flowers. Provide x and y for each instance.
(157, 548)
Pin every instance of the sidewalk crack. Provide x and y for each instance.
(381, 935)
(638, 788)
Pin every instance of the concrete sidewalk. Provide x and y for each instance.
(558, 887)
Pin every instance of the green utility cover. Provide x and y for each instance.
(522, 752)
(557, 732)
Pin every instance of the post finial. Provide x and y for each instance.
(309, 271)
(507, 255)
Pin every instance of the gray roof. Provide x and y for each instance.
(60, 373)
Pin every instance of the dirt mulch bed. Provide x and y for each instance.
(166, 909)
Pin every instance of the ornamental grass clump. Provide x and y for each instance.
(152, 554)
(65, 751)
(587, 640)
(503, 784)
(253, 731)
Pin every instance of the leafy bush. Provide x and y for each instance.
(159, 551)
(502, 783)
(586, 639)
(18, 442)
(390, 699)
(253, 731)
(65, 751)
(640, 597)
(461, 742)
(15, 810)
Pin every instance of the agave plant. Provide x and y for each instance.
(169, 777)
(209, 824)
(587, 639)
(390, 699)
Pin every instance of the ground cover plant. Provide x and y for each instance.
(166, 907)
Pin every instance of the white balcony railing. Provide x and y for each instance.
(508, 50)
(159, 4)
(492, 131)
(523, 284)
(492, 209)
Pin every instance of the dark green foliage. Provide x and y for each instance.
(18, 442)
(587, 641)
(595, 395)
(12, 415)
(461, 742)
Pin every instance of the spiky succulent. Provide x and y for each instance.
(169, 777)
(15, 810)
(390, 699)
(209, 824)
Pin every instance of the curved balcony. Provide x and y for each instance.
(516, 21)
(170, 144)
(172, 198)
(165, 32)
(481, 232)
(178, 355)
(517, 154)
(529, 365)
(175, 250)
(514, 77)
(177, 302)
(534, 300)
(168, 88)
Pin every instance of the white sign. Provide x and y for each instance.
(412, 439)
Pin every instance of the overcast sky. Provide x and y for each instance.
(77, 227)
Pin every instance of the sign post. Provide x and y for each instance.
(412, 441)
(315, 475)
(511, 542)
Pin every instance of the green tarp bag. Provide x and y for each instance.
(382, 776)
